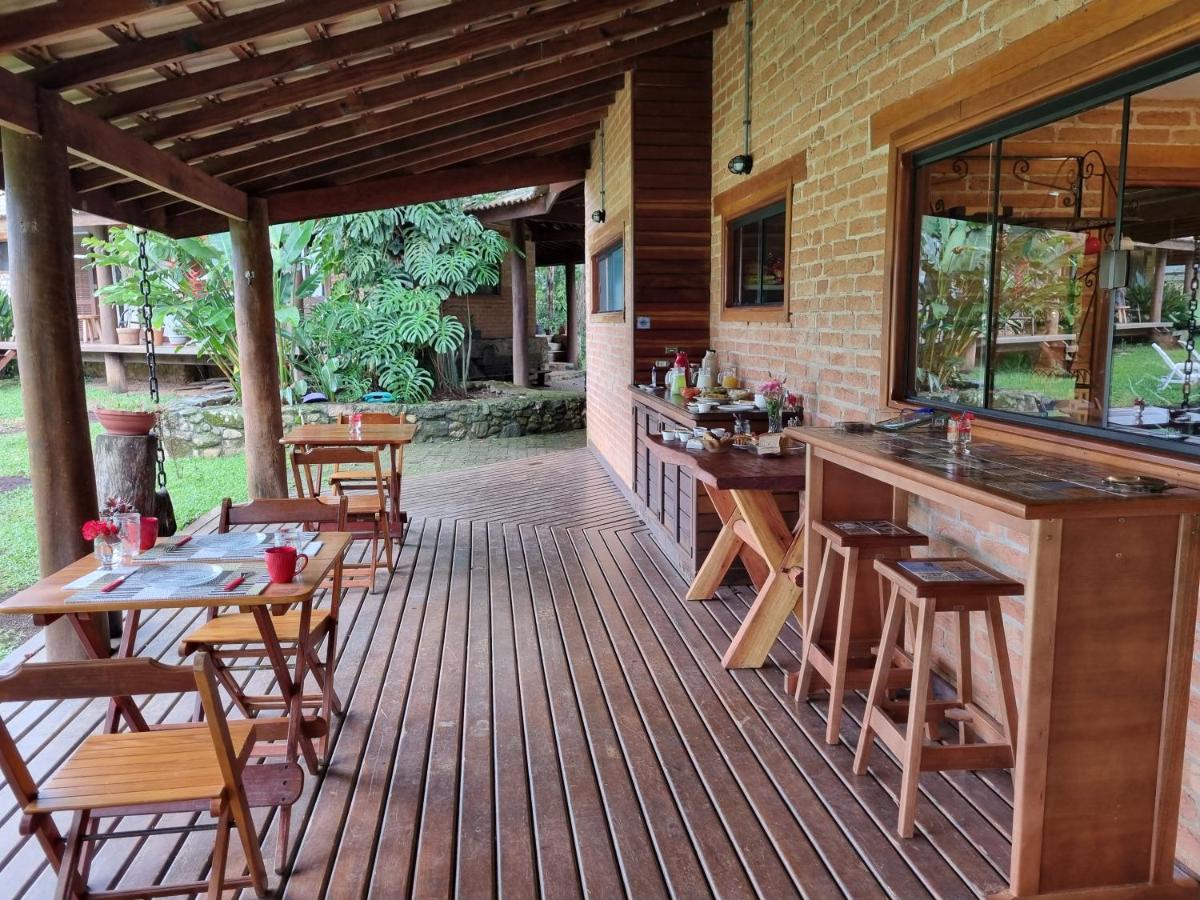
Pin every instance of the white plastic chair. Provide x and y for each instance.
(1175, 373)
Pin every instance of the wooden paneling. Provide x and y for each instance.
(672, 189)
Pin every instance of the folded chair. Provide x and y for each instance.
(365, 506)
(195, 767)
(352, 477)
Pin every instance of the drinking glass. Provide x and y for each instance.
(129, 527)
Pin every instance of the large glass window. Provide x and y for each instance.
(610, 278)
(1050, 262)
(757, 247)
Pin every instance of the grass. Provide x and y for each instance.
(1136, 372)
(196, 486)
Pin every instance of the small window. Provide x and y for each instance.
(757, 246)
(610, 279)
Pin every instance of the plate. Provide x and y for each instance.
(180, 574)
(736, 407)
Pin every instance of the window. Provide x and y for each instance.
(610, 278)
(1049, 262)
(756, 246)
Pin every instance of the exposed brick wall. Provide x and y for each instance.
(820, 71)
(609, 338)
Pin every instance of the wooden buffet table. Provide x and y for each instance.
(1110, 616)
(743, 488)
(679, 515)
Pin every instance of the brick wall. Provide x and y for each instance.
(609, 337)
(820, 71)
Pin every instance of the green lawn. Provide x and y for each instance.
(196, 486)
(1136, 372)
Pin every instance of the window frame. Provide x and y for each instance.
(733, 289)
(606, 241)
(900, 253)
(760, 191)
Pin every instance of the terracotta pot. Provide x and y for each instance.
(129, 334)
(159, 337)
(121, 421)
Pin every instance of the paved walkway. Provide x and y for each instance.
(445, 456)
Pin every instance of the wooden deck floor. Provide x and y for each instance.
(533, 710)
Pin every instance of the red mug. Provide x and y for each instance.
(149, 533)
(283, 563)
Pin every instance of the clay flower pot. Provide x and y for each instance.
(121, 421)
(129, 335)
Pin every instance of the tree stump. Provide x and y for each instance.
(125, 467)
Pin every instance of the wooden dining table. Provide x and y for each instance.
(50, 599)
(392, 436)
(743, 486)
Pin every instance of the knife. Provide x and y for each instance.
(114, 584)
(234, 582)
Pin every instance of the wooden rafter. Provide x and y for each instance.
(292, 206)
(41, 23)
(415, 27)
(175, 45)
(385, 70)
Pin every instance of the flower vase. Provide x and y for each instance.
(106, 551)
(774, 419)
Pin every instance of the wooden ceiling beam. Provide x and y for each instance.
(389, 69)
(410, 28)
(564, 144)
(526, 144)
(172, 46)
(420, 155)
(109, 146)
(43, 24)
(362, 196)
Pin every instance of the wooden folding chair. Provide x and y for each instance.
(352, 477)
(370, 506)
(189, 768)
(232, 636)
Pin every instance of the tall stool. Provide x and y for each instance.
(843, 663)
(932, 586)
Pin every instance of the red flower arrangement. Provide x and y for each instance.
(99, 528)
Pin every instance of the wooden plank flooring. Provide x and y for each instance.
(533, 710)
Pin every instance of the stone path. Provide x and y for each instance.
(444, 456)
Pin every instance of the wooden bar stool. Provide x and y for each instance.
(845, 663)
(932, 586)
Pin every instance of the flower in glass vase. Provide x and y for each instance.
(104, 535)
(94, 529)
(774, 394)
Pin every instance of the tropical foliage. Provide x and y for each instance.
(384, 277)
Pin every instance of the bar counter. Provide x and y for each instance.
(681, 517)
(1109, 632)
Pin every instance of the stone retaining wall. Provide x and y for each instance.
(201, 428)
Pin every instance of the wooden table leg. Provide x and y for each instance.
(780, 594)
(97, 648)
(756, 568)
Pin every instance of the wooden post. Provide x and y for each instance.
(254, 313)
(114, 365)
(47, 332)
(1160, 283)
(520, 301)
(573, 318)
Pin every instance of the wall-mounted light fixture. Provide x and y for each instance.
(743, 163)
(598, 214)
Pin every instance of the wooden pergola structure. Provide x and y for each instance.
(193, 116)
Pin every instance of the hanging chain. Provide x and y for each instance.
(143, 263)
(1193, 327)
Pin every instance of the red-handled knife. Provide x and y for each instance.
(114, 584)
(234, 582)
(183, 540)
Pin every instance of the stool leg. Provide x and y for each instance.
(841, 645)
(1003, 669)
(887, 647)
(966, 685)
(812, 632)
(914, 737)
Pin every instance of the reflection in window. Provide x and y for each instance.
(610, 279)
(1051, 266)
(758, 249)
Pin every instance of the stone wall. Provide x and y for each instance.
(195, 428)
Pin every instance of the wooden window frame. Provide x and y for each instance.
(771, 186)
(1045, 65)
(604, 240)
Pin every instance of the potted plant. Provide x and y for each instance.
(129, 416)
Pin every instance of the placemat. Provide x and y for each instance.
(141, 585)
(233, 545)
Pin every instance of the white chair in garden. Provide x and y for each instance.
(1175, 373)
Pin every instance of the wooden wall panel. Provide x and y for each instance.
(672, 196)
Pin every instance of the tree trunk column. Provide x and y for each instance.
(254, 313)
(114, 366)
(573, 318)
(520, 301)
(47, 331)
(1160, 284)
